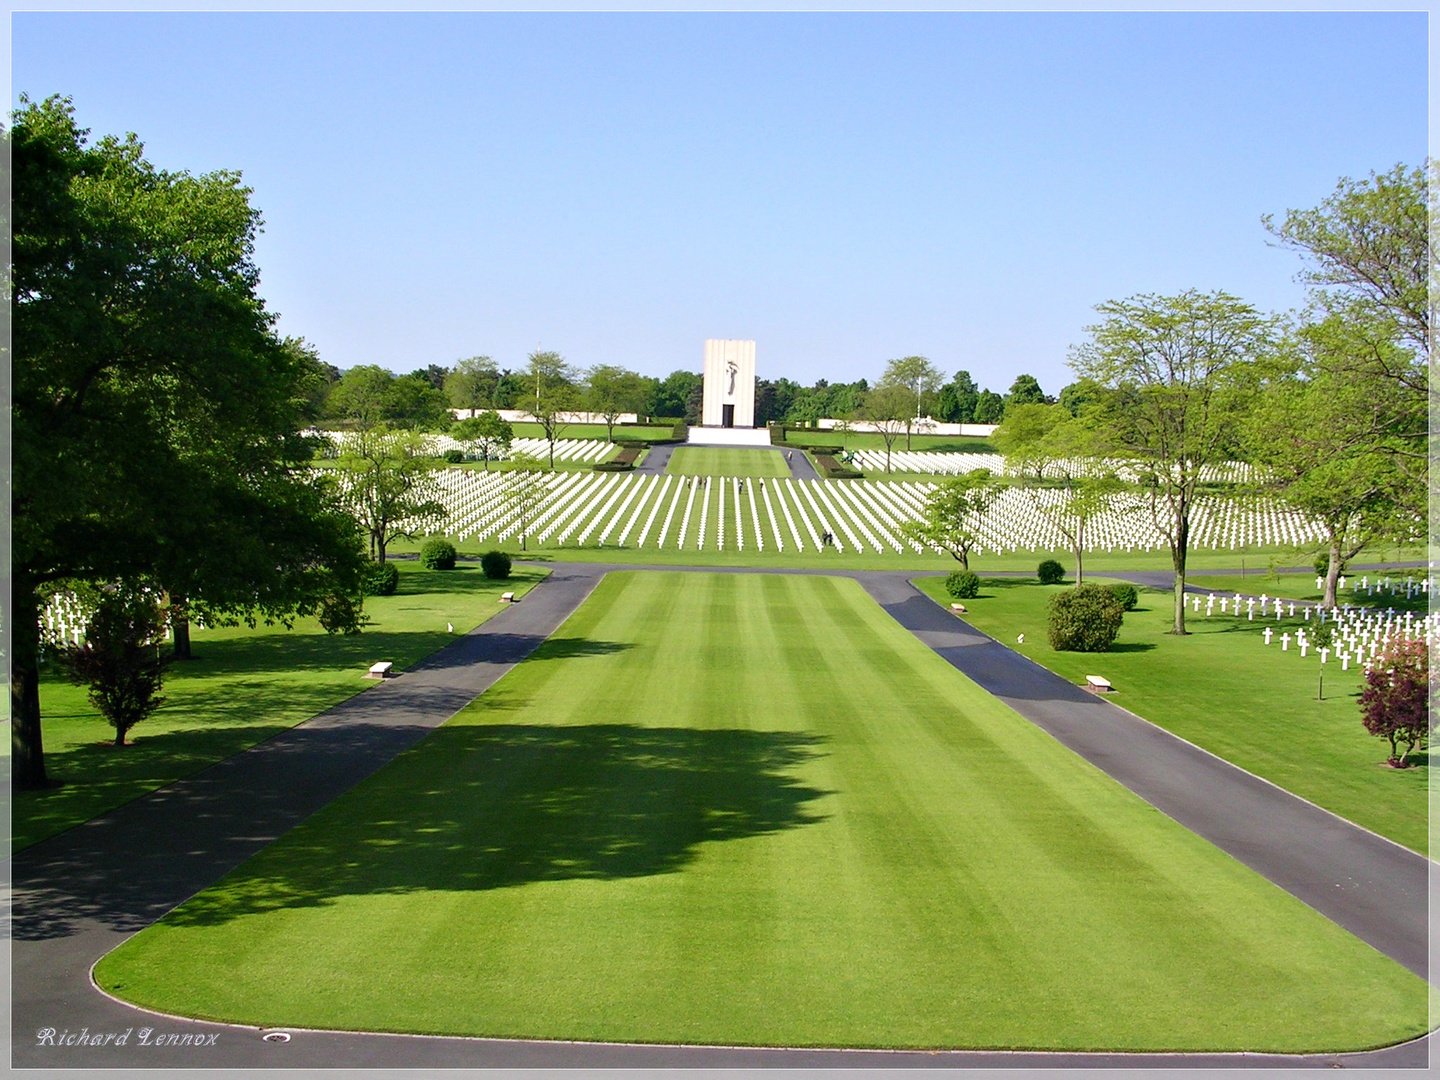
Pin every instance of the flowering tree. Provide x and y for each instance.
(1395, 702)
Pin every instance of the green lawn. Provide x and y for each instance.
(1302, 587)
(243, 687)
(1223, 689)
(754, 810)
(726, 461)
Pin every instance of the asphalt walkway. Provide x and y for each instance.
(79, 894)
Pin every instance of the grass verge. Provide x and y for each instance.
(243, 687)
(754, 810)
(1224, 689)
(726, 461)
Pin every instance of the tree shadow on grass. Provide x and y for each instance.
(491, 806)
(1131, 646)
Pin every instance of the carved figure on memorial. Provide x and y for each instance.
(731, 370)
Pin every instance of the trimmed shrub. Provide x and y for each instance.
(495, 564)
(833, 469)
(613, 466)
(1086, 618)
(1050, 572)
(1126, 593)
(963, 585)
(438, 554)
(454, 457)
(382, 579)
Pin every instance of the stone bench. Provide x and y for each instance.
(1097, 684)
(381, 670)
(959, 609)
(507, 598)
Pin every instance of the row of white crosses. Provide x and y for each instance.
(785, 514)
(950, 464)
(580, 450)
(1358, 634)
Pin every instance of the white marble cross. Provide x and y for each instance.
(1268, 632)
(1285, 642)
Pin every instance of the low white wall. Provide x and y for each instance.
(520, 416)
(925, 426)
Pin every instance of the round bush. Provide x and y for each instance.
(495, 564)
(454, 457)
(963, 585)
(1084, 619)
(382, 579)
(438, 554)
(1126, 593)
(1050, 572)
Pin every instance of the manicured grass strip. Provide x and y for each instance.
(1223, 689)
(753, 809)
(243, 687)
(726, 461)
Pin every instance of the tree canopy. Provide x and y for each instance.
(1178, 374)
(156, 415)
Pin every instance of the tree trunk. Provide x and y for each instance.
(180, 627)
(1178, 553)
(27, 750)
(1080, 556)
(1332, 574)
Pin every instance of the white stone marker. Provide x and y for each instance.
(1285, 642)
(1304, 647)
(1324, 654)
(1268, 632)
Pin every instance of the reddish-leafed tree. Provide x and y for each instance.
(1395, 703)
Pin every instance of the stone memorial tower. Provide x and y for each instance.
(729, 384)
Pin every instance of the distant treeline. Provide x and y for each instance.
(423, 398)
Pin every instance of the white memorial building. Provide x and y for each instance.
(727, 412)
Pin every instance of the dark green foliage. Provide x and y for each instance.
(1322, 564)
(454, 457)
(121, 658)
(1126, 593)
(1050, 572)
(155, 415)
(495, 564)
(438, 554)
(963, 585)
(617, 465)
(382, 579)
(1086, 618)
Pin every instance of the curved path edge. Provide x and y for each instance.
(79, 895)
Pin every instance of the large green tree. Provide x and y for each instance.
(1369, 252)
(611, 390)
(954, 512)
(472, 383)
(920, 379)
(1324, 434)
(391, 485)
(1061, 460)
(1178, 374)
(554, 396)
(156, 415)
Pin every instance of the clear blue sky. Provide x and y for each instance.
(843, 188)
